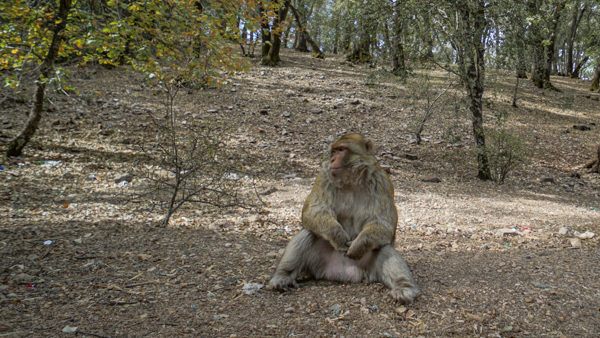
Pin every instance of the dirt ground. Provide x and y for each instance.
(512, 260)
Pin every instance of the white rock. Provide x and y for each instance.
(584, 235)
(575, 243)
(252, 288)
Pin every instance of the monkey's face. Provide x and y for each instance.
(348, 156)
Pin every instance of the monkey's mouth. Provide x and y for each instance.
(336, 170)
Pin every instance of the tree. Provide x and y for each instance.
(305, 36)
(52, 38)
(397, 45)
(544, 19)
(577, 13)
(187, 40)
(470, 47)
(273, 17)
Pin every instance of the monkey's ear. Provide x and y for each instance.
(370, 147)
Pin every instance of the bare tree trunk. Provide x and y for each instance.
(472, 64)
(578, 67)
(16, 145)
(304, 33)
(575, 20)
(551, 43)
(398, 58)
(270, 49)
(595, 86)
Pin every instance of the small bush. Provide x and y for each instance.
(506, 152)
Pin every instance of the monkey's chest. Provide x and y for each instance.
(352, 212)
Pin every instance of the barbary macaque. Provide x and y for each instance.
(349, 220)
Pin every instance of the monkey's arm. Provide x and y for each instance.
(380, 228)
(319, 218)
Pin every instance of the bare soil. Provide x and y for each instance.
(492, 260)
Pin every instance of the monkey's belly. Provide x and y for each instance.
(340, 268)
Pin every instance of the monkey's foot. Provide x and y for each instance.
(282, 283)
(404, 295)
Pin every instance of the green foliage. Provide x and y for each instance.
(506, 153)
(169, 39)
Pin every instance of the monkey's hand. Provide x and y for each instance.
(338, 238)
(358, 248)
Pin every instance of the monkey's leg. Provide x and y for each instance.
(391, 270)
(294, 261)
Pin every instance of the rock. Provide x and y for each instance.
(124, 178)
(69, 329)
(431, 179)
(563, 231)
(584, 235)
(286, 114)
(400, 310)
(507, 232)
(335, 310)
(582, 127)
(252, 288)
(575, 243)
(23, 278)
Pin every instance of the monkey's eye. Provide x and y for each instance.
(338, 149)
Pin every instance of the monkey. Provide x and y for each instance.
(349, 224)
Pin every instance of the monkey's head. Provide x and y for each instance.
(350, 156)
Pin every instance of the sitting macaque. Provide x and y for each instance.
(349, 220)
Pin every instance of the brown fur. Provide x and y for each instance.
(349, 221)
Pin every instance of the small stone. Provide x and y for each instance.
(23, 278)
(584, 235)
(252, 288)
(69, 329)
(289, 310)
(212, 111)
(124, 178)
(582, 127)
(400, 310)
(507, 231)
(286, 114)
(563, 231)
(335, 310)
(575, 243)
(547, 180)
(431, 179)
(264, 112)
(411, 157)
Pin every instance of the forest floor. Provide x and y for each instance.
(76, 255)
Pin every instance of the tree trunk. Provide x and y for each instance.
(270, 49)
(594, 165)
(427, 54)
(551, 43)
(471, 61)
(398, 58)
(537, 46)
(16, 145)
(304, 33)
(575, 20)
(578, 67)
(595, 86)
(361, 51)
